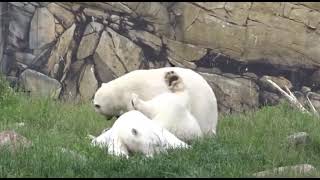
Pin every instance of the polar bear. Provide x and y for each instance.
(134, 132)
(114, 98)
(170, 111)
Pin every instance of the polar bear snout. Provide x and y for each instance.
(97, 106)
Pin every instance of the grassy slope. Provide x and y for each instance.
(245, 144)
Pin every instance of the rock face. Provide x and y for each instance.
(235, 46)
(18, 27)
(42, 29)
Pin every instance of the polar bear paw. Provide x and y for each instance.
(134, 100)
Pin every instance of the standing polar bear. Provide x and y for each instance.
(114, 98)
(133, 132)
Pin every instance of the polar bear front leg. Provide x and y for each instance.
(142, 106)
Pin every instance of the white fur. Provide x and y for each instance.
(150, 138)
(114, 96)
(170, 111)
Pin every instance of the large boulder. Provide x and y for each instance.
(13, 141)
(42, 29)
(64, 16)
(19, 27)
(183, 55)
(234, 93)
(39, 84)
(295, 170)
(281, 81)
(70, 84)
(60, 50)
(90, 40)
(118, 53)
(88, 83)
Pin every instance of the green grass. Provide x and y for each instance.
(245, 144)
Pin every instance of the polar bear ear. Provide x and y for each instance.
(134, 100)
(134, 132)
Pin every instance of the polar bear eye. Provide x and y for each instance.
(97, 106)
(134, 131)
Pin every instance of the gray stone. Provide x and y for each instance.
(114, 26)
(281, 81)
(73, 154)
(108, 6)
(234, 95)
(315, 79)
(64, 16)
(19, 27)
(154, 12)
(44, 4)
(88, 83)
(18, 4)
(269, 98)
(29, 8)
(305, 89)
(39, 84)
(71, 82)
(146, 38)
(60, 49)
(95, 13)
(315, 100)
(186, 52)
(118, 53)
(300, 138)
(13, 140)
(75, 7)
(208, 70)
(2, 34)
(251, 75)
(59, 29)
(36, 4)
(25, 58)
(297, 169)
(42, 29)
(254, 25)
(89, 40)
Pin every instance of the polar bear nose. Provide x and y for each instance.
(97, 106)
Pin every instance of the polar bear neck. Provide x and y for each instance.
(123, 91)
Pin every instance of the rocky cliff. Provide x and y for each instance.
(66, 50)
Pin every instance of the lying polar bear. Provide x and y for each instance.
(134, 132)
(114, 98)
(170, 111)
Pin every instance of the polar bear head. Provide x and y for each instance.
(106, 99)
(134, 132)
